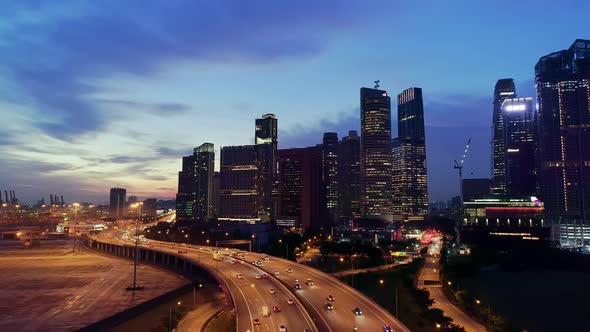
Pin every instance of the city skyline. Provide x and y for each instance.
(95, 114)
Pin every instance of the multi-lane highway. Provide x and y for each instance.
(251, 292)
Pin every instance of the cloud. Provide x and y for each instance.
(56, 55)
(160, 109)
(170, 152)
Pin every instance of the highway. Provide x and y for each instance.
(249, 294)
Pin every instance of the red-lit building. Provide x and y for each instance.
(504, 212)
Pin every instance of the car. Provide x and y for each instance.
(264, 276)
(240, 276)
(272, 291)
(330, 298)
(387, 328)
(266, 258)
(257, 277)
(290, 301)
(329, 306)
(256, 321)
(297, 286)
(276, 273)
(276, 309)
(357, 311)
(282, 328)
(182, 251)
(309, 282)
(289, 271)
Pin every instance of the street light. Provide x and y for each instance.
(135, 287)
(76, 205)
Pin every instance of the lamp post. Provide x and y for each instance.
(76, 205)
(135, 287)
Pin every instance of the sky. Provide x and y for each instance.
(96, 94)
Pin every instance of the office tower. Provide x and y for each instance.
(503, 90)
(519, 156)
(476, 189)
(132, 199)
(563, 97)
(375, 106)
(330, 179)
(216, 193)
(149, 208)
(266, 149)
(350, 161)
(116, 202)
(194, 200)
(239, 192)
(409, 176)
(300, 175)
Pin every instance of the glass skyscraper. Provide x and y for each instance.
(376, 187)
(330, 179)
(194, 200)
(266, 140)
(349, 162)
(410, 183)
(563, 121)
(503, 90)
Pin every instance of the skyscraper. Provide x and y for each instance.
(266, 148)
(194, 200)
(504, 89)
(330, 178)
(410, 183)
(300, 174)
(563, 121)
(519, 156)
(117, 202)
(239, 191)
(376, 188)
(349, 160)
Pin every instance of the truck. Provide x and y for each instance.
(265, 312)
(217, 256)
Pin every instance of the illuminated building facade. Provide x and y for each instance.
(194, 200)
(117, 200)
(238, 188)
(376, 187)
(503, 90)
(409, 176)
(300, 178)
(350, 161)
(563, 121)
(266, 140)
(330, 179)
(519, 156)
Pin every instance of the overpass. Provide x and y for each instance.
(248, 294)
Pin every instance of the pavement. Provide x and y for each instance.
(429, 278)
(365, 270)
(54, 289)
(195, 320)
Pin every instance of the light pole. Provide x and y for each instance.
(135, 287)
(76, 205)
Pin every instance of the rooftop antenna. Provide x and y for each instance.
(376, 84)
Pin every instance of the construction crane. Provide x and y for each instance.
(459, 165)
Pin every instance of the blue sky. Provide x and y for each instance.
(101, 93)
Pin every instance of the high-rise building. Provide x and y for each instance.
(117, 202)
(376, 188)
(239, 191)
(503, 90)
(519, 156)
(409, 176)
(349, 160)
(266, 148)
(563, 123)
(194, 200)
(330, 179)
(149, 208)
(300, 175)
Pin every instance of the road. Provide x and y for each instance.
(341, 318)
(196, 319)
(429, 278)
(249, 294)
